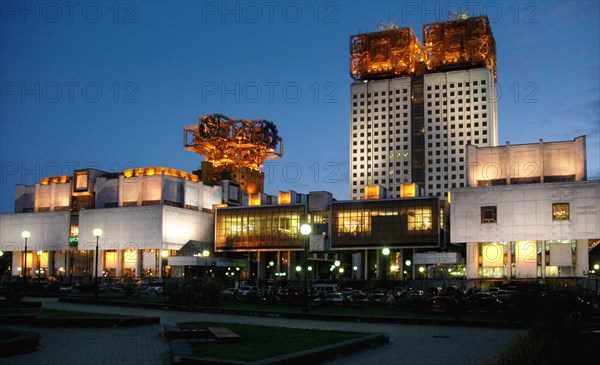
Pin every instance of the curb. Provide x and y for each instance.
(321, 317)
(94, 322)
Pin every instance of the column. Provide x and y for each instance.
(366, 266)
(249, 267)
(472, 260)
(120, 259)
(509, 259)
(582, 260)
(261, 264)
(414, 267)
(138, 264)
(543, 258)
(289, 265)
(68, 263)
(51, 263)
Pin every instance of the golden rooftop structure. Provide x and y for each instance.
(228, 142)
(462, 42)
(384, 53)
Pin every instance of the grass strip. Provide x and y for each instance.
(263, 342)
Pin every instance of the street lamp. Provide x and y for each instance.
(97, 232)
(205, 254)
(39, 253)
(386, 252)
(596, 267)
(164, 254)
(25, 235)
(305, 230)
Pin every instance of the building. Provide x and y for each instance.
(528, 211)
(346, 240)
(415, 109)
(142, 212)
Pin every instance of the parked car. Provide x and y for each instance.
(564, 304)
(247, 293)
(415, 300)
(377, 297)
(333, 297)
(442, 303)
(229, 293)
(291, 295)
(483, 302)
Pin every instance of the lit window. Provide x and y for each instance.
(488, 214)
(560, 212)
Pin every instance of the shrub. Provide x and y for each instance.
(194, 291)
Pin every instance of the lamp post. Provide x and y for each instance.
(305, 230)
(205, 254)
(25, 235)
(39, 271)
(164, 254)
(421, 270)
(596, 268)
(97, 232)
(386, 252)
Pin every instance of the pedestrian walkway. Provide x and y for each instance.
(409, 344)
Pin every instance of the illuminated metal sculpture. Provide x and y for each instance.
(228, 142)
(462, 42)
(395, 51)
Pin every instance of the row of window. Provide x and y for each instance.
(460, 109)
(376, 93)
(386, 125)
(560, 212)
(452, 85)
(376, 101)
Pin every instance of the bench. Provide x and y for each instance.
(223, 334)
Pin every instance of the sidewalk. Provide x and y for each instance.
(411, 344)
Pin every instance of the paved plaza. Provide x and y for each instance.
(409, 344)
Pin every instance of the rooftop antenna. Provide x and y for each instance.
(454, 15)
(387, 26)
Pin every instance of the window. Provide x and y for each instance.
(560, 212)
(488, 214)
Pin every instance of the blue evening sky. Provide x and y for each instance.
(111, 84)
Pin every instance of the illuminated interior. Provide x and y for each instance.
(56, 180)
(408, 190)
(151, 171)
(265, 227)
(395, 222)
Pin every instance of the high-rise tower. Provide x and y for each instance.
(414, 108)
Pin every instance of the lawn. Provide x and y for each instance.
(262, 342)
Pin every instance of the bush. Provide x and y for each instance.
(552, 340)
(14, 291)
(194, 291)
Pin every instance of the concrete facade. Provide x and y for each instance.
(528, 239)
(533, 163)
(141, 213)
(459, 108)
